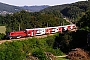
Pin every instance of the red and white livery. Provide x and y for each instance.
(40, 31)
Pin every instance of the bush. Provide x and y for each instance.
(18, 50)
(11, 51)
(50, 40)
(56, 52)
(39, 53)
(2, 36)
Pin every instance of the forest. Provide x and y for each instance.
(72, 11)
(29, 20)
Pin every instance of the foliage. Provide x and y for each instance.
(2, 36)
(50, 40)
(79, 39)
(55, 51)
(27, 20)
(19, 50)
(83, 23)
(70, 40)
(11, 51)
(72, 11)
(40, 54)
(55, 44)
(63, 41)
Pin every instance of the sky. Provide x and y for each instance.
(38, 2)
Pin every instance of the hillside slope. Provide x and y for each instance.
(9, 8)
(72, 11)
(35, 8)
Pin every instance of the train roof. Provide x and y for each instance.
(29, 29)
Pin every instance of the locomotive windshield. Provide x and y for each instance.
(7, 33)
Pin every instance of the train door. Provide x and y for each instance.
(48, 30)
(73, 27)
(54, 29)
(30, 32)
(69, 27)
(60, 29)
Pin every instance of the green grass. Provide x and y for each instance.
(62, 59)
(2, 29)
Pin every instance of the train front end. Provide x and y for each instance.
(16, 34)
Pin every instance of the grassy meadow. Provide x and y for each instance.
(2, 29)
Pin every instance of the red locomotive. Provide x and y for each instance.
(16, 34)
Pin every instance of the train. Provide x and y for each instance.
(39, 31)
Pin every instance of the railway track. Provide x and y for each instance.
(20, 39)
(68, 20)
(2, 41)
